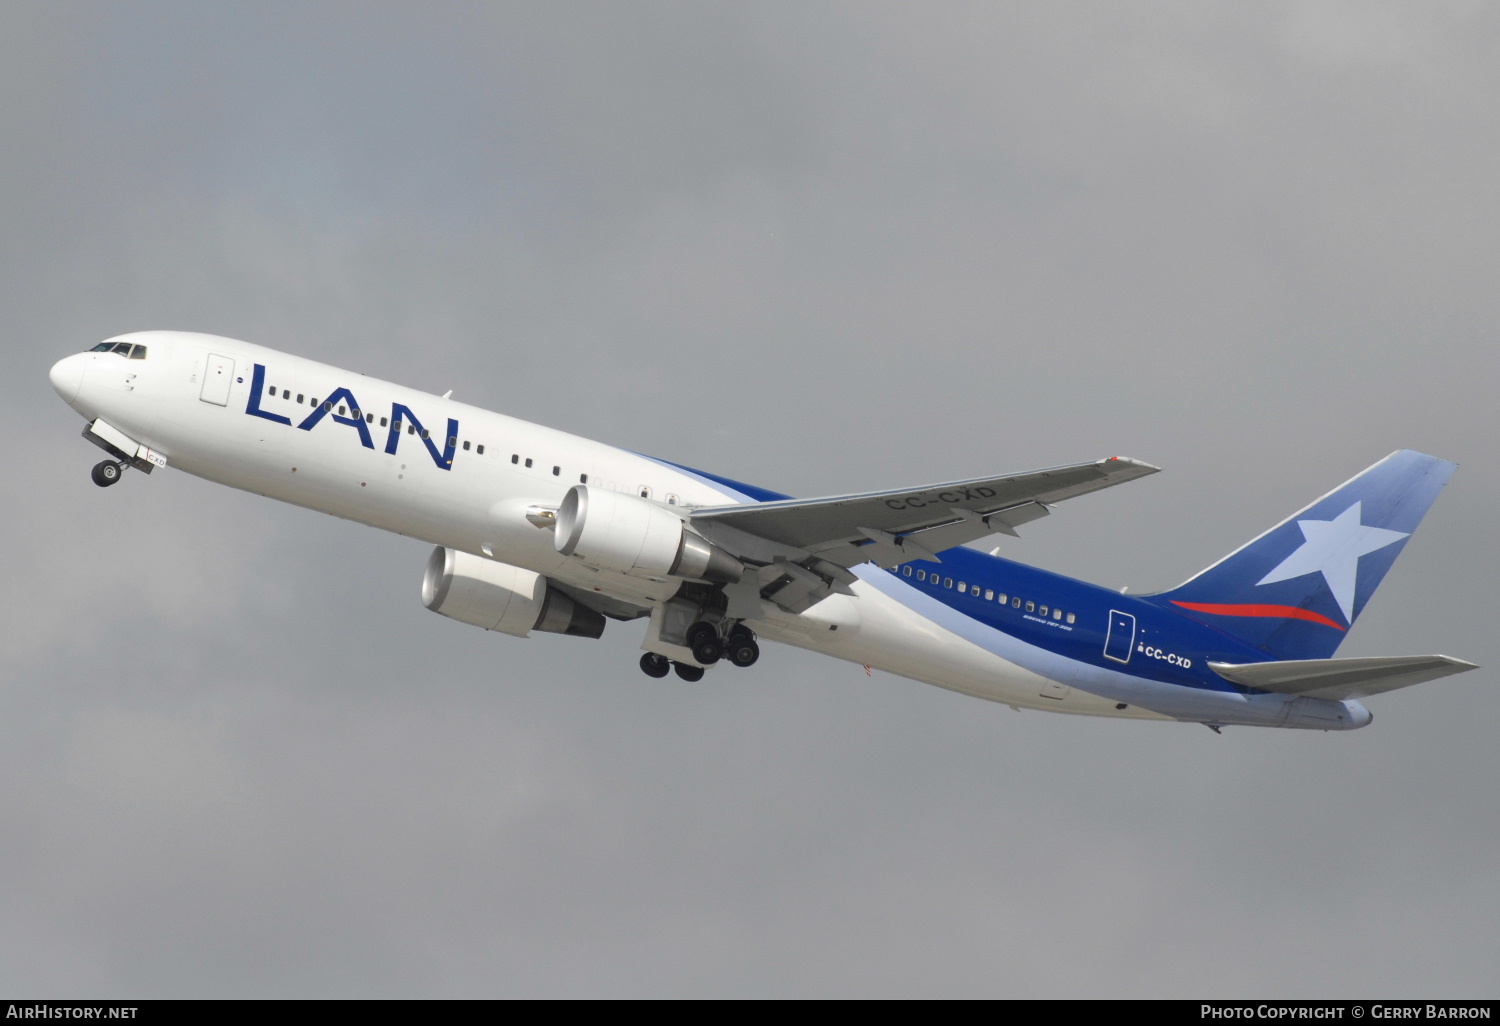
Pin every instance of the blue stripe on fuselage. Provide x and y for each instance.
(749, 493)
(1162, 640)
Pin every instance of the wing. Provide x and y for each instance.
(809, 544)
(1341, 678)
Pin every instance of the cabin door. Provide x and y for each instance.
(217, 377)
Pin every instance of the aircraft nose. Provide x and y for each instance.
(67, 375)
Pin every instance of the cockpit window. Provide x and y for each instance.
(125, 349)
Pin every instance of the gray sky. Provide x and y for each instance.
(819, 247)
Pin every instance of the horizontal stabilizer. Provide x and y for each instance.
(1341, 678)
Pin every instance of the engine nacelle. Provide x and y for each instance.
(613, 531)
(501, 597)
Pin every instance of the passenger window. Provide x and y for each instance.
(947, 582)
(299, 402)
(480, 450)
(583, 479)
(672, 499)
(286, 393)
(1072, 618)
(1015, 603)
(1057, 614)
(137, 352)
(963, 587)
(988, 594)
(341, 410)
(1043, 611)
(921, 574)
(271, 391)
(327, 407)
(426, 434)
(369, 418)
(1030, 607)
(515, 458)
(411, 429)
(466, 446)
(906, 571)
(528, 462)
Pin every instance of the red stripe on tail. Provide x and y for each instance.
(1274, 612)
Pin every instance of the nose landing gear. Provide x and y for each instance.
(106, 473)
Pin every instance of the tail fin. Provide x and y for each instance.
(1294, 591)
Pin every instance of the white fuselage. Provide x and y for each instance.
(204, 403)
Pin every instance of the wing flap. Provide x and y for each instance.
(1341, 678)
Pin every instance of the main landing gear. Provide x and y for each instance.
(107, 473)
(654, 665)
(708, 646)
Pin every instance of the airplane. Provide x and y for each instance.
(539, 530)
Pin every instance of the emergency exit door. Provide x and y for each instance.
(1120, 640)
(217, 377)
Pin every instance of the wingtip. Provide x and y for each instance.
(1140, 466)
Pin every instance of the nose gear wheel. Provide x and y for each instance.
(106, 473)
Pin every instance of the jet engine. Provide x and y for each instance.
(614, 531)
(501, 597)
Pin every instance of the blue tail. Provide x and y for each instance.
(1296, 590)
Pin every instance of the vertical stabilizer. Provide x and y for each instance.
(1296, 590)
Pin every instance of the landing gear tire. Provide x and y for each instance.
(703, 639)
(743, 651)
(106, 473)
(688, 673)
(708, 650)
(653, 665)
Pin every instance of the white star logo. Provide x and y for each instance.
(1332, 548)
